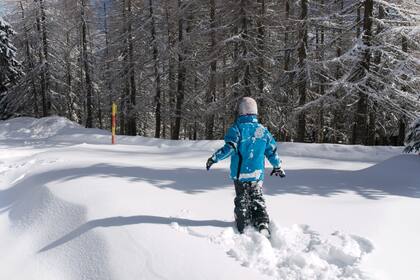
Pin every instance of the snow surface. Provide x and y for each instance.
(72, 206)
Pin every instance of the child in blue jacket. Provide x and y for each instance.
(248, 143)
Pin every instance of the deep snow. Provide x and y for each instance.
(72, 206)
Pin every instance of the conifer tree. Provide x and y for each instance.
(10, 68)
(412, 139)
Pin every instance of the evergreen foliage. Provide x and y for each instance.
(412, 140)
(343, 71)
(10, 68)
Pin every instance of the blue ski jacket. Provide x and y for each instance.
(248, 142)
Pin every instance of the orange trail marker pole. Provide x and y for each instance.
(114, 121)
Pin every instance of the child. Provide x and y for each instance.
(249, 142)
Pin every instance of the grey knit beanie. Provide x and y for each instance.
(247, 106)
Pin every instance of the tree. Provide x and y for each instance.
(10, 68)
(303, 42)
(412, 139)
(341, 71)
(360, 127)
(158, 100)
(182, 70)
(44, 54)
(211, 92)
(86, 68)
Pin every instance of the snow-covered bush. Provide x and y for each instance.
(412, 139)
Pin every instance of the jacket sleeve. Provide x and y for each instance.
(271, 151)
(231, 145)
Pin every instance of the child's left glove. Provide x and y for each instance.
(278, 171)
(209, 163)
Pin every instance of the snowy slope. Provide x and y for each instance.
(74, 207)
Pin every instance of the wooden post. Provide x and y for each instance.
(114, 122)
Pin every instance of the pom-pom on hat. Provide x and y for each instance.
(247, 106)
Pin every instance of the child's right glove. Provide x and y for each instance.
(209, 163)
(278, 171)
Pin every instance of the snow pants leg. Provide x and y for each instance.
(250, 206)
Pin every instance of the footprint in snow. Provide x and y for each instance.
(296, 252)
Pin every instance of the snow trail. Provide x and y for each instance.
(294, 253)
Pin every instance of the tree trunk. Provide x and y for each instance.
(171, 70)
(403, 121)
(181, 73)
(263, 110)
(165, 115)
(195, 131)
(46, 55)
(320, 136)
(223, 93)
(235, 58)
(401, 131)
(244, 32)
(322, 90)
(181, 76)
(107, 63)
(69, 78)
(337, 113)
(286, 38)
(371, 134)
(361, 129)
(132, 119)
(211, 92)
(42, 59)
(30, 65)
(404, 47)
(288, 87)
(99, 108)
(88, 81)
(303, 39)
(157, 74)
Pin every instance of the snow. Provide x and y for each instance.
(72, 206)
(255, 174)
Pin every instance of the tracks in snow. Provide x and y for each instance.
(294, 253)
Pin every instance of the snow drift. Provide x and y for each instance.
(27, 128)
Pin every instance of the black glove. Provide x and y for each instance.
(278, 171)
(209, 163)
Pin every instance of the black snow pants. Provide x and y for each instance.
(250, 206)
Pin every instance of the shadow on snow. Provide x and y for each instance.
(133, 220)
(399, 176)
(396, 176)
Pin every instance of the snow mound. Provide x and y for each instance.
(339, 151)
(407, 165)
(43, 128)
(35, 216)
(62, 130)
(298, 253)
(398, 175)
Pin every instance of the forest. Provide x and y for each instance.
(340, 71)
